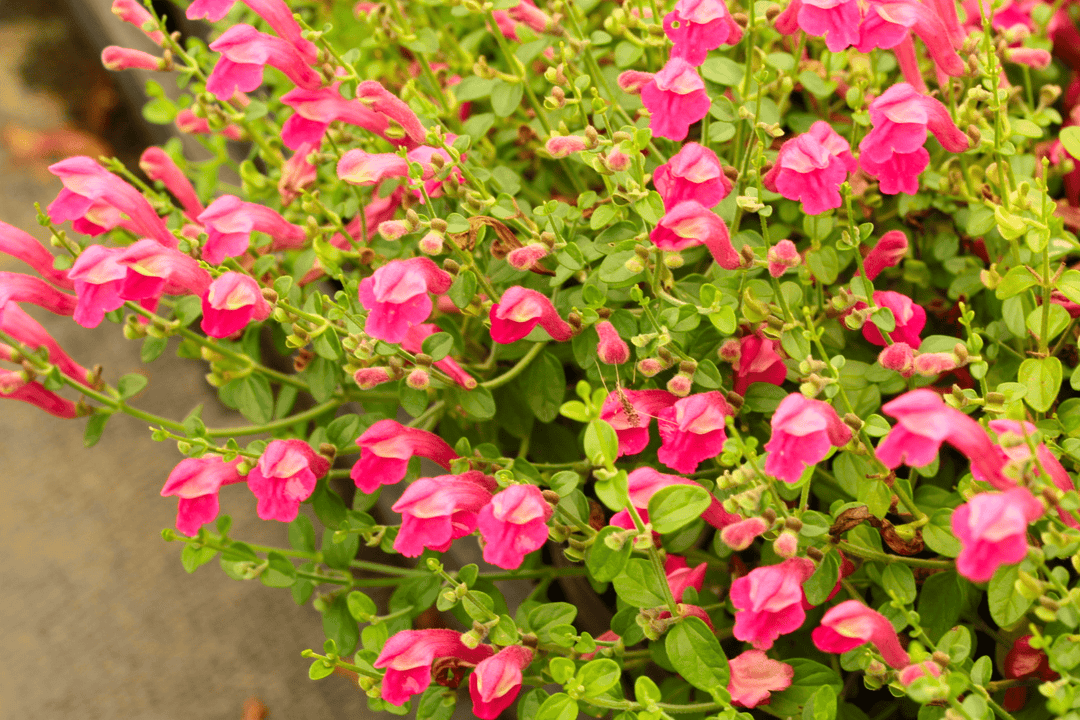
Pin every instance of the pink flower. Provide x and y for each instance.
(153, 270)
(520, 310)
(187, 122)
(88, 188)
(924, 422)
(703, 25)
(98, 277)
(386, 448)
(1024, 661)
(13, 386)
(375, 213)
(681, 576)
(890, 250)
(612, 349)
(527, 257)
(835, 20)
(560, 146)
(758, 362)
(803, 431)
(754, 675)
(132, 11)
(887, 24)
(631, 418)
(414, 343)
(396, 296)
(22, 246)
(992, 527)
(19, 288)
(316, 109)
(362, 168)
(910, 319)
(690, 224)
(676, 99)
(196, 482)
(693, 173)
(740, 535)
(851, 624)
(811, 167)
(297, 174)
(513, 525)
(157, 165)
(405, 125)
(284, 477)
(1036, 58)
(692, 430)
(782, 256)
(230, 221)
(899, 357)
(927, 668)
(230, 303)
(28, 331)
(436, 511)
(644, 482)
(276, 13)
(496, 682)
(117, 58)
(525, 13)
(245, 52)
(408, 656)
(368, 378)
(769, 601)
(632, 81)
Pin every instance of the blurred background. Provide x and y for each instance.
(97, 617)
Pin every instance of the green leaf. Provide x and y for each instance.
(338, 555)
(477, 403)
(639, 585)
(1042, 378)
(1070, 140)
(438, 346)
(254, 398)
(543, 618)
(1069, 282)
(899, 579)
(822, 582)
(328, 506)
(601, 443)
(320, 669)
(677, 505)
(95, 425)
(187, 310)
(599, 676)
(323, 377)
(506, 97)
(131, 385)
(544, 384)
(695, 654)
(462, 292)
(152, 348)
(940, 602)
(192, 558)
(1016, 281)
(722, 71)
(603, 563)
(1006, 605)
(302, 534)
(437, 703)
(809, 678)
(938, 534)
(361, 607)
(821, 705)
(339, 625)
(559, 706)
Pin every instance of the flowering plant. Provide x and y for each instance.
(749, 330)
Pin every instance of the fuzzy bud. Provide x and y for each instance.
(680, 385)
(783, 255)
(418, 379)
(432, 243)
(740, 535)
(649, 367)
(631, 81)
(393, 229)
(730, 351)
(786, 545)
(612, 349)
(561, 146)
(368, 378)
(526, 258)
(899, 357)
(931, 364)
(617, 161)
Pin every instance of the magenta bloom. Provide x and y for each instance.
(992, 527)
(754, 675)
(690, 224)
(13, 386)
(363, 168)
(692, 430)
(187, 122)
(396, 296)
(154, 270)
(196, 482)
(297, 174)
(633, 428)
(910, 319)
(1020, 454)
(19, 288)
(230, 221)
(803, 430)
(612, 349)
(402, 119)
(132, 11)
(740, 535)
(230, 303)
(496, 681)
(693, 173)
(769, 601)
(890, 250)
(676, 99)
(436, 511)
(276, 13)
(19, 325)
(513, 525)
(835, 20)
(98, 277)
(644, 482)
(758, 362)
(386, 448)
(23, 246)
(851, 624)
(887, 24)
(783, 256)
(284, 477)
(157, 165)
(703, 25)
(245, 52)
(414, 343)
(811, 167)
(408, 656)
(91, 190)
(520, 310)
(116, 59)
(681, 576)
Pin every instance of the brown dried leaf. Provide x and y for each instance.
(850, 518)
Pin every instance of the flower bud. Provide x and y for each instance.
(612, 349)
(786, 545)
(617, 161)
(432, 243)
(393, 229)
(680, 385)
(649, 367)
(931, 364)
(368, 378)
(899, 357)
(561, 146)
(740, 535)
(782, 256)
(730, 351)
(526, 258)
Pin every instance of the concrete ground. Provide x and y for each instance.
(97, 617)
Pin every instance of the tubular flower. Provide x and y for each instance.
(899, 357)
(132, 11)
(19, 288)
(676, 99)
(758, 362)
(992, 527)
(754, 675)
(396, 296)
(98, 277)
(409, 654)
(811, 167)
(118, 58)
(520, 310)
(314, 110)
(698, 26)
(851, 624)
(13, 386)
(379, 210)
(18, 324)
(153, 270)
(231, 302)
(612, 349)
(276, 13)
(525, 13)
(90, 189)
(692, 429)
(158, 166)
(924, 422)
(527, 257)
(693, 173)
(386, 448)
(405, 126)
(803, 430)
(644, 482)
(560, 146)
(23, 246)
(887, 24)
(187, 122)
(513, 525)
(196, 482)
(230, 221)
(910, 319)
(769, 601)
(740, 535)
(245, 52)
(889, 251)
(436, 511)
(496, 682)
(414, 343)
(690, 224)
(629, 412)
(782, 256)
(297, 174)
(362, 168)
(681, 576)
(284, 477)
(835, 20)
(1024, 661)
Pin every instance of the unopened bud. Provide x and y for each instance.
(432, 243)
(730, 351)
(649, 367)
(680, 385)
(393, 229)
(786, 545)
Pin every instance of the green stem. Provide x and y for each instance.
(870, 554)
(517, 369)
(276, 424)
